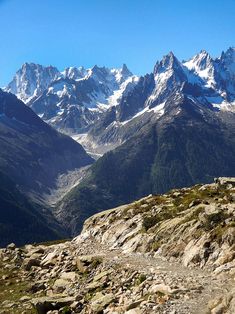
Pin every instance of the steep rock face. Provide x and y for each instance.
(32, 153)
(227, 72)
(31, 80)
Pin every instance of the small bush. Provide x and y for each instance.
(140, 279)
(214, 220)
(96, 262)
(66, 310)
(149, 222)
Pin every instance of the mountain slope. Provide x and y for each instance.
(189, 144)
(32, 153)
(22, 221)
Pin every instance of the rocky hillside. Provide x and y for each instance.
(170, 253)
(194, 225)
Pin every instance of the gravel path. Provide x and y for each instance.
(196, 287)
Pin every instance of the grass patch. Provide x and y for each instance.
(140, 279)
(12, 289)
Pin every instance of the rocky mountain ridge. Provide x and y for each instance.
(206, 81)
(73, 99)
(171, 253)
(102, 108)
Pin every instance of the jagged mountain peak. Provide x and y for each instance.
(95, 68)
(37, 65)
(32, 68)
(202, 66)
(99, 74)
(169, 73)
(168, 62)
(230, 52)
(228, 60)
(99, 70)
(125, 71)
(74, 73)
(200, 62)
(31, 80)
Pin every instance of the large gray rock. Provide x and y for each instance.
(99, 304)
(45, 304)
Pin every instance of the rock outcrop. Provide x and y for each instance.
(192, 225)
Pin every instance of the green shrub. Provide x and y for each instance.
(66, 310)
(149, 222)
(214, 220)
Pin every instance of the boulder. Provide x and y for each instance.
(69, 276)
(29, 262)
(45, 304)
(99, 304)
(61, 284)
(225, 181)
(160, 288)
(50, 259)
(80, 265)
(11, 246)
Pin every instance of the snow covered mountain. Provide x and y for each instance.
(73, 99)
(207, 82)
(31, 80)
(217, 74)
(102, 108)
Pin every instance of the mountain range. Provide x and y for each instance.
(171, 128)
(101, 107)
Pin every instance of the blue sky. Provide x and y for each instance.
(110, 32)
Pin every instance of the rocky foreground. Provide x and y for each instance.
(171, 253)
